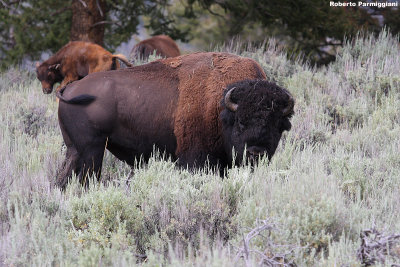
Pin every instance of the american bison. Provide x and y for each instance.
(196, 107)
(73, 62)
(163, 45)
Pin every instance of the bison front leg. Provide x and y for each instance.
(199, 159)
(67, 79)
(91, 163)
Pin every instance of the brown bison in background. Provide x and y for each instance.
(162, 44)
(74, 61)
(196, 107)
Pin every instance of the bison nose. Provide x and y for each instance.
(47, 90)
(254, 153)
(256, 150)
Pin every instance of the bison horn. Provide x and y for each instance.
(55, 66)
(289, 107)
(228, 102)
(37, 64)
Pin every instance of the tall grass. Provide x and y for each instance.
(335, 173)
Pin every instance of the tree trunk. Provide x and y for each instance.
(87, 18)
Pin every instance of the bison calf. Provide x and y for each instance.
(197, 108)
(163, 46)
(74, 61)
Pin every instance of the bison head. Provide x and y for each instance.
(255, 114)
(48, 75)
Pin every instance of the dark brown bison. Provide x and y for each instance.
(163, 46)
(197, 108)
(74, 61)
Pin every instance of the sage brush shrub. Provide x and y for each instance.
(334, 174)
(161, 206)
(107, 216)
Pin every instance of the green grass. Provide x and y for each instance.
(334, 174)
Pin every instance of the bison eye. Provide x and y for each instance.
(241, 126)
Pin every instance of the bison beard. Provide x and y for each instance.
(178, 105)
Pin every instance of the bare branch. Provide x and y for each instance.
(83, 3)
(9, 5)
(57, 12)
(214, 13)
(259, 229)
(274, 260)
(246, 251)
(104, 22)
(4, 4)
(99, 8)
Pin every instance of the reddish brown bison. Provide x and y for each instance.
(197, 108)
(73, 62)
(163, 45)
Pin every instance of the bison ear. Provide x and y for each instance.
(289, 107)
(37, 64)
(54, 67)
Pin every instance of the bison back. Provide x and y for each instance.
(163, 45)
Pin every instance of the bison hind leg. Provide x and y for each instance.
(83, 165)
(69, 165)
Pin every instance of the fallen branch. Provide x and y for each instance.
(375, 247)
(266, 260)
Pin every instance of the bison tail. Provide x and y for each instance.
(80, 99)
(122, 58)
